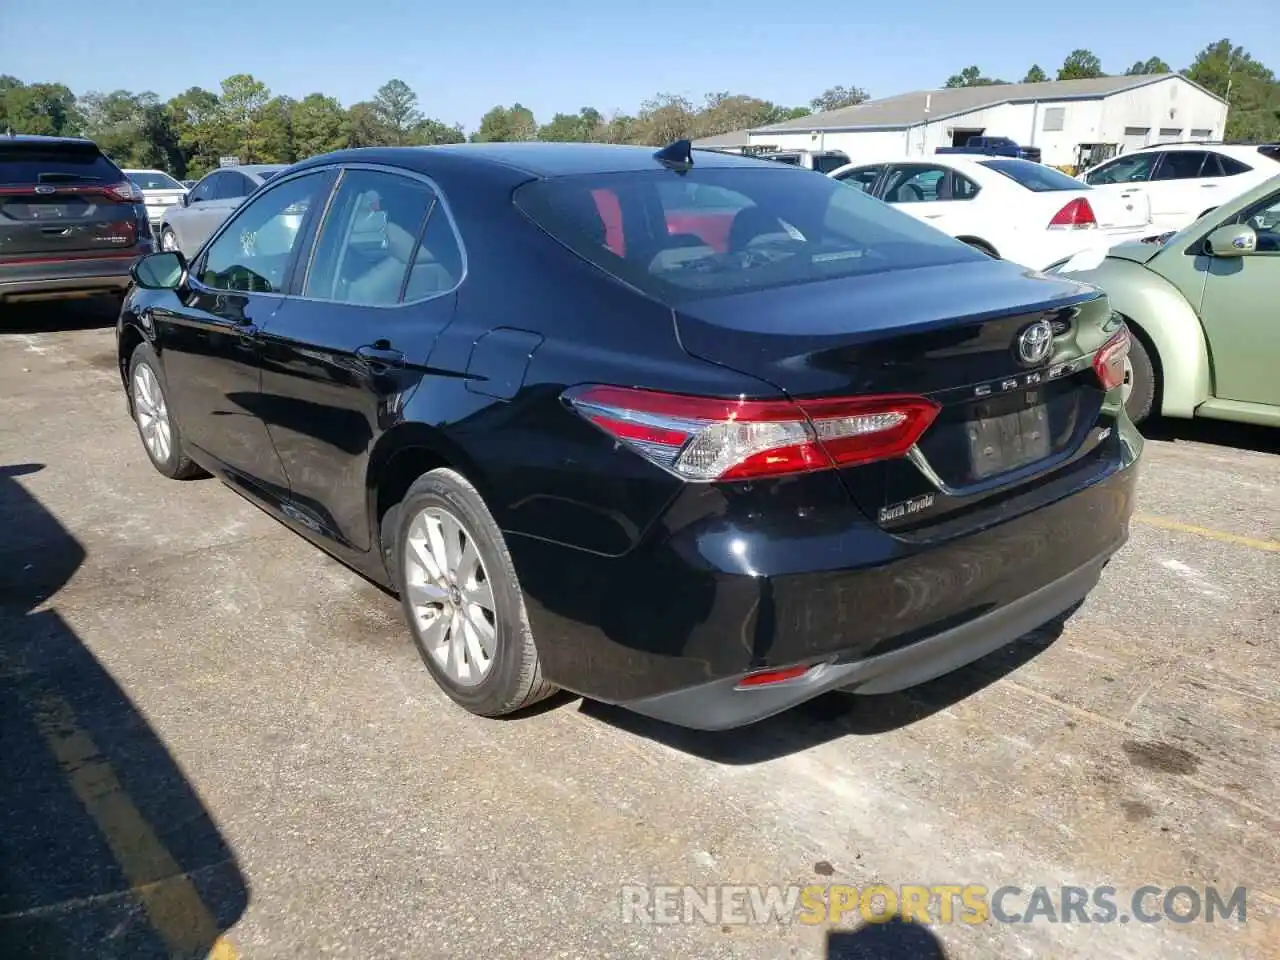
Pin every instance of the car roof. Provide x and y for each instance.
(958, 160)
(37, 138)
(534, 159)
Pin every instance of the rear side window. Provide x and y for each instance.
(1230, 166)
(723, 231)
(1033, 176)
(1181, 165)
(24, 163)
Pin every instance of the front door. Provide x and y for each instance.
(1240, 311)
(209, 336)
(339, 362)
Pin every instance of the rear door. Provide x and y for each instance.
(1179, 189)
(64, 200)
(339, 358)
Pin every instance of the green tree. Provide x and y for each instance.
(1151, 65)
(1080, 65)
(1248, 86)
(241, 120)
(194, 116)
(1035, 75)
(581, 127)
(663, 119)
(503, 124)
(396, 106)
(725, 112)
(365, 127)
(833, 98)
(971, 77)
(428, 131)
(40, 108)
(319, 126)
(274, 128)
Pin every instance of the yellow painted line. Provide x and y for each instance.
(1253, 543)
(173, 906)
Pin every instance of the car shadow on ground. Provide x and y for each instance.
(1221, 433)
(51, 316)
(106, 851)
(834, 715)
(893, 939)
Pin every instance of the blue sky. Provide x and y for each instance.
(463, 58)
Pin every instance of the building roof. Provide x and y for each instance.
(735, 138)
(909, 108)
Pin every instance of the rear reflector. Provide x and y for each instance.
(764, 678)
(1076, 215)
(703, 438)
(1108, 362)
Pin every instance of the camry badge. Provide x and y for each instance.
(1034, 342)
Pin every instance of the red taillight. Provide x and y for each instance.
(1076, 215)
(764, 678)
(123, 192)
(702, 438)
(1108, 362)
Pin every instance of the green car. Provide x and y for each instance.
(1204, 307)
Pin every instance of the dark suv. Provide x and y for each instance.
(71, 223)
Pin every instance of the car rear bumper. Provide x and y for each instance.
(671, 628)
(72, 277)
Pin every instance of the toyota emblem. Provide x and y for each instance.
(1034, 342)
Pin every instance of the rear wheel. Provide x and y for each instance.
(1139, 391)
(156, 424)
(462, 599)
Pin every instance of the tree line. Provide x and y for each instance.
(189, 133)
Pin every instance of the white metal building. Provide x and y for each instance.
(1057, 117)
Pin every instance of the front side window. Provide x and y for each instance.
(769, 227)
(1132, 169)
(1180, 165)
(862, 178)
(1264, 217)
(205, 189)
(917, 184)
(253, 251)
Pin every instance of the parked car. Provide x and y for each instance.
(186, 226)
(71, 222)
(159, 191)
(1202, 305)
(1184, 181)
(995, 147)
(1008, 208)
(700, 435)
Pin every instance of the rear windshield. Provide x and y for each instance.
(723, 231)
(154, 180)
(28, 163)
(1034, 176)
(1271, 151)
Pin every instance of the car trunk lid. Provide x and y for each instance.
(958, 335)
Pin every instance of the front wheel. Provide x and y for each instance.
(1139, 391)
(462, 599)
(154, 418)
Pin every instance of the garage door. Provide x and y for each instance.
(1170, 135)
(1135, 138)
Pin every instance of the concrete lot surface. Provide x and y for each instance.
(219, 742)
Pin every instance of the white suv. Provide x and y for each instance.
(1184, 181)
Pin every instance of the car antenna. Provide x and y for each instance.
(677, 156)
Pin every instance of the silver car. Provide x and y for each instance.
(187, 226)
(159, 192)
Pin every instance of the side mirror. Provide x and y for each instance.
(1231, 240)
(188, 199)
(165, 270)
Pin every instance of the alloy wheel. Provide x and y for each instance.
(450, 595)
(152, 412)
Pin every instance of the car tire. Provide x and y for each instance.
(168, 239)
(478, 603)
(1140, 375)
(157, 426)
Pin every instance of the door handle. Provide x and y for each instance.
(380, 354)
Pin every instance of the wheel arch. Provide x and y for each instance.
(127, 341)
(399, 457)
(1160, 316)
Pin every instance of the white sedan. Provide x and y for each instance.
(1011, 209)
(159, 192)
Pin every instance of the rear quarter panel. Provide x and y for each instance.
(1160, 313)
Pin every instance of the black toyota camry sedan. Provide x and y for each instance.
(696, 434)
